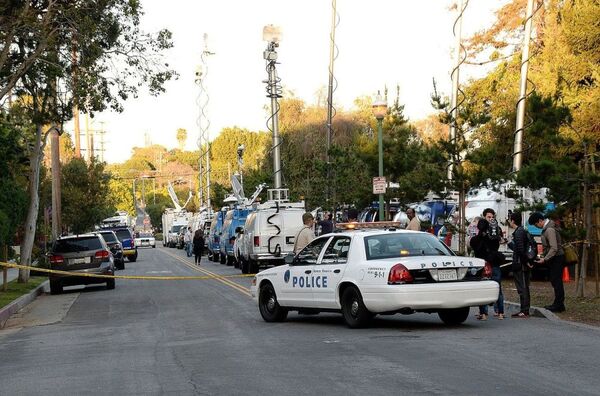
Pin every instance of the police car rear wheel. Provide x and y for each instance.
(455, 316)
(355, 313)
(269, 308)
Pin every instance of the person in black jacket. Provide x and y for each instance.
(485, 246)
(198, 242)
(521, 265)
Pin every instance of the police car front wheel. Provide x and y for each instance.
(355, 313)
(269, 308)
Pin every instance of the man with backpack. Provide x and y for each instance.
(521, 262)
(554, 258)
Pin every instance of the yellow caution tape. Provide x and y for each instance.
(139, 277)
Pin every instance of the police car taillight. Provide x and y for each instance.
(487, 271)
(256, 241)
(399, 274)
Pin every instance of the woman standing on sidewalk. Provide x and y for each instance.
(521, 266)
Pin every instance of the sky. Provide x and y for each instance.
(380, 42)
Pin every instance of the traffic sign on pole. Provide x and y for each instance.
(379, 185)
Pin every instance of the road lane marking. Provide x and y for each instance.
(220, 278)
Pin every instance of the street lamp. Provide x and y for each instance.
(379, 111)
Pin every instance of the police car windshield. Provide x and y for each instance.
(394, 245)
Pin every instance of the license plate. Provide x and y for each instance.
(85, 260)
(447, 275)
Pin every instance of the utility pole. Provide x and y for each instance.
(332, 56)
(56, 193)
(88, 136)
(76, 129)
(518, 144)
(102, 141)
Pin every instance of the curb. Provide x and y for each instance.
(21, 302)
(544, 313)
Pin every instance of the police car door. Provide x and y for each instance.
(297, 288)
(328, 272)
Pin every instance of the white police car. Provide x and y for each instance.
(375, 268)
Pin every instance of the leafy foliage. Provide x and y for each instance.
(85, 201)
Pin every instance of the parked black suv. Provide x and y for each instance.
(115, 247)
(86, 253)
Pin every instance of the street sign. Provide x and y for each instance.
(379, 185)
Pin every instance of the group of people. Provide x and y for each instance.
(194, 244)
(486, 243)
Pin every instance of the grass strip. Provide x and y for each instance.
(15, 289)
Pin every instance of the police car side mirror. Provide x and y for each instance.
(288, 259)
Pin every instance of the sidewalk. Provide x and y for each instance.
(582, 310)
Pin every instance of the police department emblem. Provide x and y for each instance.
(286, 276)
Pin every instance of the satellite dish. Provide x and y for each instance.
(238, 189)
(230, 199)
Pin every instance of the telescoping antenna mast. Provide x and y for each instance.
(203, 122)
(272, 35)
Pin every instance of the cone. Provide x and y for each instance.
(565, 276)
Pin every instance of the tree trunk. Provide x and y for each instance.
(587, 220)
(34, 203)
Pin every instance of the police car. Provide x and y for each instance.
(375, 268)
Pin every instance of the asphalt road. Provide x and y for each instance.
(207, 337)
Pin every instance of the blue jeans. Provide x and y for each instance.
(499, 304)
(188, 249)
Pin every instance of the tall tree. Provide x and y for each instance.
(85, 201)
(181, 136)
(38, 62)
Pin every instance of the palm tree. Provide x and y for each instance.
(181, 137)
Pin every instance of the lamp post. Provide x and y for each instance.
(379, 111)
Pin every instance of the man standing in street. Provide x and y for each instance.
(187, 241)
(326, 224)
(306, 234)
(521, 266)
(413, 224)
(554, 258)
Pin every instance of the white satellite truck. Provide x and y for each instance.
(172, 222)
(174, 218)
(269, 231)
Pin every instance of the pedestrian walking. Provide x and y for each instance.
(553, 258)
(198, 243)
(306, 234)
(485, 245)
(521, 265)
(187, 241)
(413, 224)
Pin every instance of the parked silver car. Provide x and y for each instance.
(87, 253)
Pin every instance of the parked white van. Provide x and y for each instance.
(269, 231)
